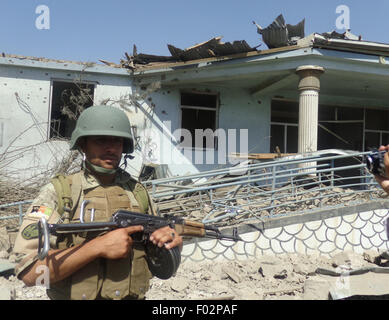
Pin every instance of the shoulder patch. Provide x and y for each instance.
(30, 232)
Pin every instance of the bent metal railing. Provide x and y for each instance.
(20, 205)
(251, 191)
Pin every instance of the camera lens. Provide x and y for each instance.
(375, 163)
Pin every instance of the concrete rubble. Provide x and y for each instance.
(281, 277)
(291, 277)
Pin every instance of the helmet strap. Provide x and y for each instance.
(91, 167)
(87, 165)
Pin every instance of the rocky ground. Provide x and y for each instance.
(291, 277)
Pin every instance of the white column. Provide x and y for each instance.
(308, 121)
(309, 87)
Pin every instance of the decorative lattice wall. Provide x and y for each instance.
(358, 228)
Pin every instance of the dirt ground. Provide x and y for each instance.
(283, 277)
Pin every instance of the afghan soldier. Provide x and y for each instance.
(93, 265)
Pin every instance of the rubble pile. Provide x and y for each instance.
(290, 277)
(235, 206)
(13, 193)
(282, 277)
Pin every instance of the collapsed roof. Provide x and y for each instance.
(211, 48)
(278, 36)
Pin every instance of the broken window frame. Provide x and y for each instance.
(51, 135)
(380, 133)
(285, 125)
(284, 148)
(194, 107)
(322, 123)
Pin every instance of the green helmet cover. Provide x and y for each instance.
(103, 121)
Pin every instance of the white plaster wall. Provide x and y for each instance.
(238, 112)
(25, 111)
(24, 122)
(24, 100)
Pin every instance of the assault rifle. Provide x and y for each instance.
(163, 263)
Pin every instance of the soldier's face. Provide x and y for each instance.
(103, 151)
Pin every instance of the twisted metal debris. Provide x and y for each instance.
(252, 191)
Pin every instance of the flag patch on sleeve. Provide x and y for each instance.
(41, 212)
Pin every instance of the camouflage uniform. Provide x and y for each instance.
(102, 278)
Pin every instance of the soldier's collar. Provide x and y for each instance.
(90, 181)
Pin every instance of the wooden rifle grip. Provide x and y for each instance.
(194, 224)
(187, 230)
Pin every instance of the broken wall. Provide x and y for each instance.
(245, 118)
(26, 150)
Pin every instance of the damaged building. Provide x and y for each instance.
(319, 94)
(300, 94)
(315, 92)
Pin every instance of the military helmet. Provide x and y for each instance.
(103, 121)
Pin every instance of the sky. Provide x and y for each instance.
(89, 30)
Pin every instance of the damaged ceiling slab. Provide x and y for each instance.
(276, 35)
(211, 48)
(280, 34)
(208, 49)
(344, 42)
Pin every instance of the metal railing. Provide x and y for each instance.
(18, 204)
(324, 179)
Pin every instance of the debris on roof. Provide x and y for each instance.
(142, 58)
(280, 34)
(344, 42)
(345, 35)
(208, 49)
(277, 36)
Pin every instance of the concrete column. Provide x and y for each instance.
(309, 87)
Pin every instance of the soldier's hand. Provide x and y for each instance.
(166, 236)
(116, 244)
(383, 181)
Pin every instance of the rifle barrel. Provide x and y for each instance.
(221, 236)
